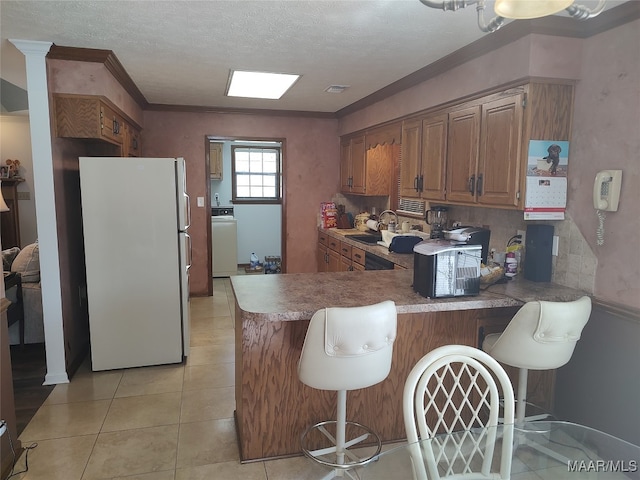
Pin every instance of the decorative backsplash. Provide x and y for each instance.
(575, 266)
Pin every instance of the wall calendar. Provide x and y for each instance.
(546, 184)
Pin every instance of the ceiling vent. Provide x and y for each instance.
(336, 88)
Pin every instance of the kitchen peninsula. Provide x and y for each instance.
(272, 313)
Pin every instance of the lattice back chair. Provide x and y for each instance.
(455, 387)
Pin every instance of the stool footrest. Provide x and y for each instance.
(356, 461)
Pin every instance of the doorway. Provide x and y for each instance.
(260, 216)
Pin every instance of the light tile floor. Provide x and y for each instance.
(171, 422)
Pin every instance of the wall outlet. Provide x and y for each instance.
(201, 201)
(524, 236)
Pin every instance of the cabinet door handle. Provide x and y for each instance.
(472, 185)
(479, 185)
(421, 183)
(416, 184)
(116, 126)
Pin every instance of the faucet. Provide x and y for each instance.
(390, 212)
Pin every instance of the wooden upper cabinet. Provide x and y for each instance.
(474, 152)
(95, 117)
(484, 153)
(411, 166)
(424, 149)
(86, 116)
(499, 163)
(366, 172)
(388, 134)
(215, 160)
(462, 154)
(345, 165)
(358, 165)
(434, 157)
(131, 145)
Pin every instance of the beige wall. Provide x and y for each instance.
(311, 173)
(605, 131)
(606, 135)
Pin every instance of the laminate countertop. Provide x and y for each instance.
(297, 296)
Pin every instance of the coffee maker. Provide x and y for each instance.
(437, 218)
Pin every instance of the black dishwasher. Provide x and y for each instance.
(374, 262)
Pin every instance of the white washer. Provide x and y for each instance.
(224, 244)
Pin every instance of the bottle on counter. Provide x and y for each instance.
(392, 226)
(510, 265)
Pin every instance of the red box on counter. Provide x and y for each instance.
(329, 215)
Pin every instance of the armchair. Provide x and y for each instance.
(26, 262)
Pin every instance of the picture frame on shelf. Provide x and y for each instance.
(4, 172)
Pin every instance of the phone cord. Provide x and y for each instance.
(600, 232)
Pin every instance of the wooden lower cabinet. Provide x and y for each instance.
(273, 407)
(333, 255)
(322, 262)
(321, 258)
(333, 261)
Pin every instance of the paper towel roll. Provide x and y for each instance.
(372, 224)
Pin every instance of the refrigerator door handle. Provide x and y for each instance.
(188, 238)
(188, 203)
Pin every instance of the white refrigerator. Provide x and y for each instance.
(135, 215)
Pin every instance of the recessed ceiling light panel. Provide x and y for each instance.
(259, 84)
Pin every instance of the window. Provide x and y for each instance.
(256, 174)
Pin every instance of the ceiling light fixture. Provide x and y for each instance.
(259, 84)
(518, 9)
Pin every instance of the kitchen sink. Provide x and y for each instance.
(369, 238)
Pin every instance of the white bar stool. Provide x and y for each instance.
(346, 349)
(541, 336)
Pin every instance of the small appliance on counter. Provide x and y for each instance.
(436, 217)
(441, 269)
(470, 236)
(360, 221)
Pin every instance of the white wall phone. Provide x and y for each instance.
(606, 190)
(606, 196)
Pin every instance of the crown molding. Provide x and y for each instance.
(241, 111)
(108, 59)
(552, 25)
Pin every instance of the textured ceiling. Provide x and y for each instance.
(180, 52)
